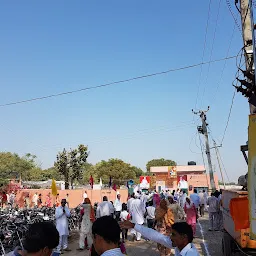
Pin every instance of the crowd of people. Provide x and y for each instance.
(170, 218)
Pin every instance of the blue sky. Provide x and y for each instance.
(53, 46)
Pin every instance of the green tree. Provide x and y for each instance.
(62, 165)
(115, 168)
(77, 158)
(69, 164)
(12, 166)
(159, 162)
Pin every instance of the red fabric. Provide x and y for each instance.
(91, 181)
(239, 210)
(114, 187)
(92, 216)
(4, 197)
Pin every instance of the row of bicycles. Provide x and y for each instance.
(14, 223)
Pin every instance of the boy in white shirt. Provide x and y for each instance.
(124, 215)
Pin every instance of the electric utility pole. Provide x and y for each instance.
(247, 87)
(203, 130)
(218, 159)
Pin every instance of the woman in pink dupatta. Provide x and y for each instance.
(156, 200)
(191, 213)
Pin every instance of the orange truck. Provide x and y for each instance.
(236, 240)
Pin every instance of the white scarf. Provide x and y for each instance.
(188, 206)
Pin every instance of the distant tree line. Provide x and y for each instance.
(72, 167)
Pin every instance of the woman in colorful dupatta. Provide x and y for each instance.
(191, 213)
(87, 219)
(164, 221)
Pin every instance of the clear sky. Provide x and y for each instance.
(53, 46)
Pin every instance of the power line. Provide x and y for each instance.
(233, 15)
(224, 167)
(205, 39)
(116, 82)
(213, 41)
(229, 115)
(224, 66)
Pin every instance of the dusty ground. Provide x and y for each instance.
(207, 242)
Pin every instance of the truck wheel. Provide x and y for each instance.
(227, 244)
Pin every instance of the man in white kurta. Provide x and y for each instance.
(137, 212)
(62, 214)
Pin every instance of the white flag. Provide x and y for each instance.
(100, 182)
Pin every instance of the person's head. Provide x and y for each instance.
(63, 202)
(85, 192)
(41, 238)
(182, 234)
(188, 200)
(105, 198)
(106, 234)
(124, 207)
(118, 196)
(87, 201)
(220, 191)
(212, 194)
(36, 193)
(67, 195)
(170, 199)
(132, 195)
(178, 190)
(195, 190)
(40, 194)
(183, 191)
(49, 194)
(58, 195)
(111, 202)
(203, 190)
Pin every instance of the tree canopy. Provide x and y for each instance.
(117, 169)
(159, 162)
(70, 163)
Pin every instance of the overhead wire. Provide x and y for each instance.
(232, 101)
(203, 54)
(213, 97)
(212, 47)
(224, 168)
(132, 135)
(233, 15)
(115, 82)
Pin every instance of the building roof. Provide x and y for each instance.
(180, 168)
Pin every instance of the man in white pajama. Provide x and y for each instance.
(62, 214)
(137, 211)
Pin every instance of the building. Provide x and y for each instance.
(181, 176)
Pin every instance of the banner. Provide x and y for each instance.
(172, 171)
(144, 182)
(182, 181)
(251, 184)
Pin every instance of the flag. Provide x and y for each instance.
(110, 182)
(100, 182)
(114, 186)
(91, 181)
(54, 188)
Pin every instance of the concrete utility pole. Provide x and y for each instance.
(246, 11)
(203, 130)
(217, 155)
